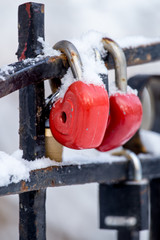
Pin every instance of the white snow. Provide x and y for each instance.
(47, 49)
(79, 157)
(92, 67)
(69, 209)
(113, 90)
(66, 81)
(13, 168)
(151, 141)
(6, 69)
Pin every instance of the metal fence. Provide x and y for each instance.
(28, 78)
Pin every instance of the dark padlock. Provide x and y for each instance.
(124, 206)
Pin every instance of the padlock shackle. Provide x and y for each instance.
(136, 164)
(73, 57)
(97, 54)
(134, 160)
(119, 61)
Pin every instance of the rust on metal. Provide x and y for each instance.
(73, 54)
(148, 57)
(28, 9)
(123, 79)
(54, 58)
(55, 67)
(107, 39)
(52, 183)
(24, 187)
(66, 175)
(57, 59)
(39, 112)
(42, 9)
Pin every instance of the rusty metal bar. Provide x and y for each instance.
(32, 224)
(65, 175)
(56, 67)
(28, 77)
(29, 73)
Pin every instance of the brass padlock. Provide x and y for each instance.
(53, 149)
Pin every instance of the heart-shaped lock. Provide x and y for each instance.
(125, 108)
(79, 120)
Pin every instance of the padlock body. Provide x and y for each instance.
(79, 120)
(53, 149)
(124, 120)
(124, 206)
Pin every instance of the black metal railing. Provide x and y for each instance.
(28, 77)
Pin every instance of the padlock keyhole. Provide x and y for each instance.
(64, 117)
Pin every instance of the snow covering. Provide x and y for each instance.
(92, 67)
(6, 69)
(47, 49)
(151, 141)
(14, 168)
(74, 157)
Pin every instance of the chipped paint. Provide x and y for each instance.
(24, 188)
(28, 9)
(22, 57)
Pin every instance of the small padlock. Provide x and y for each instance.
(125, 108)
(124, 206)
(79, 120)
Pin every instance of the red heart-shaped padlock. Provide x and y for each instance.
(79, 120)
(125, 108)
(124, 120)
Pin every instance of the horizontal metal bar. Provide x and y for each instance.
(80, 174)
(32, 72)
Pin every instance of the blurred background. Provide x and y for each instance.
(72, 212)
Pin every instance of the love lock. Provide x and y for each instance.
(124, 206)
(125, 108)
(77, 121)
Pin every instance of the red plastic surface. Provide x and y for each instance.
(124, 120)
(79, 120)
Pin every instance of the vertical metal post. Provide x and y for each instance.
(128, 235)
(155, 209)
(32, 224)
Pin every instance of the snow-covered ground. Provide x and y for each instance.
(72, 212)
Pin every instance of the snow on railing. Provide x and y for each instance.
(14, 168)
